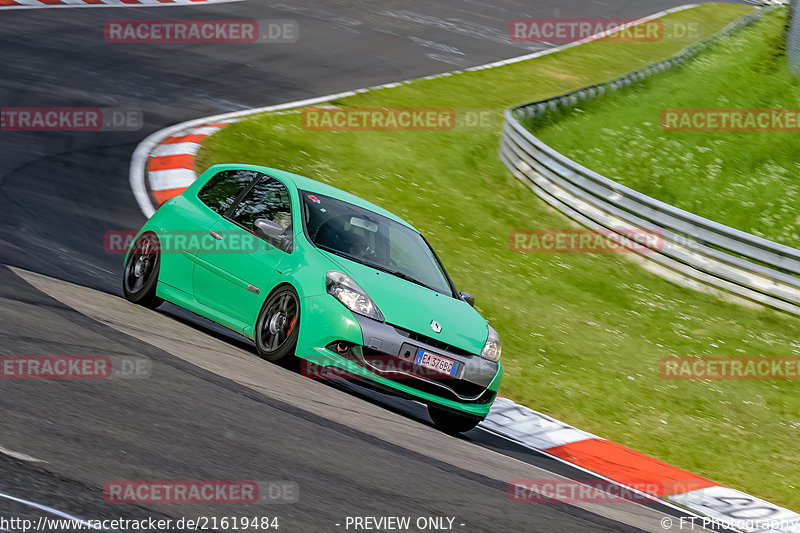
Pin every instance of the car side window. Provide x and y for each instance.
(268, 198)
(222, 190)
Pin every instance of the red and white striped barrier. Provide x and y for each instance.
(640, 472)
(171, 163)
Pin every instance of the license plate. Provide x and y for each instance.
(436, 362)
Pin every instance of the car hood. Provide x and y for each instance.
(413, 307)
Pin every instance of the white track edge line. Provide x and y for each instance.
(19, 455)
(47, 509)
(122, 6)
(139, 158)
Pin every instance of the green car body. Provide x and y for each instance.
(231, 289)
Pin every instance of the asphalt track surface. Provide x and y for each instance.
(210, 408)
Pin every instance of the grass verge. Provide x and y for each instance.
(747, 180)
(583, 334)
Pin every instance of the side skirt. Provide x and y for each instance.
(187, 301)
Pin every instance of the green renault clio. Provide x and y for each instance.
(307, 270)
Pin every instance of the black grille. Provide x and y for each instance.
(457, 386)
(414, 336)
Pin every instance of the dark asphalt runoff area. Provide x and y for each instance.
(351, 452)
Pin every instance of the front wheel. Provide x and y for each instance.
(140, 276)
(450, 422)
(278, 325)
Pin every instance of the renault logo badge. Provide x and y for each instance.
(436, 327)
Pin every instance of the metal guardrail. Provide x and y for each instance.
(702, 250)
(793, 37)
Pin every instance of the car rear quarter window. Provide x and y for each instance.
(222, 190)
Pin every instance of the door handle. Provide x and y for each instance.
(216, 235)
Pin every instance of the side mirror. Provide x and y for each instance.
(467, 297)
(271, 231)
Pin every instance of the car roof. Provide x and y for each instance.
(317, 187)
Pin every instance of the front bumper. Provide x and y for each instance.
(325, 321)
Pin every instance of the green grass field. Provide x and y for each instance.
(747, 180)
(582, 334)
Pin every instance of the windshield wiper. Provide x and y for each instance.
(401, 275)
(406, 277)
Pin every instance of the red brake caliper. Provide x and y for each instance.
(291, 325)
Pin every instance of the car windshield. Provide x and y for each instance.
(373, 240)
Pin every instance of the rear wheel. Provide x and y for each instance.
(140, 277)
(278, 325)
(451, 422)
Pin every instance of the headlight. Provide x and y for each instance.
(491, 350)
(347, 291)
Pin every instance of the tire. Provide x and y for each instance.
(450, 422)
(140, 276)
(278, 325)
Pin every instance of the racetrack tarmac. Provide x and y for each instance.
(210, 408)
